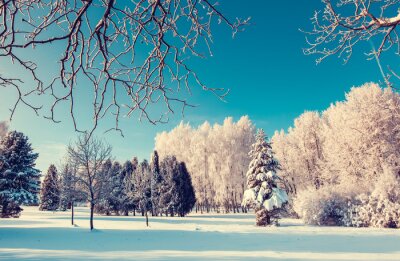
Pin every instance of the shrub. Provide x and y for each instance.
(326, 206)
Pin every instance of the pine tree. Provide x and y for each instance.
(143, 188)
(19, 180)
(126, 175)
(115, 181)
(168, 189)
(130, 187)
(177, 194)
(156, 180)
(186, 196)
(50, 191)
(263, 193)
(70, 193)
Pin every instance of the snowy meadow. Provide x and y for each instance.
(49, 236)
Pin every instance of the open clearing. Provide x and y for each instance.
(47, 235)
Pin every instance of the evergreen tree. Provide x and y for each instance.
(70, 193)
(19, 180)
(263, 192)
(176, 192)
(130, 187)
(104, 205)
(186, 196)
(168, 190)
(50, 191)
(156, 180)
(115, 181)
(126, 175)
(143, 188)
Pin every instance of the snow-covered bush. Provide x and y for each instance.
(375, 211)
(381, 208)
(325, 206)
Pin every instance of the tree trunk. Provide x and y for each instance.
(147, 219)
(72, 213)
(91, 215)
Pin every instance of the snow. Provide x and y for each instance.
(278, 198)
(47, 235)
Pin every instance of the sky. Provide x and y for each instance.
(269, 77)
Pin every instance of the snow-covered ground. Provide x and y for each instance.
(46, 235)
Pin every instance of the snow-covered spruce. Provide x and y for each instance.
(263, 193)
(50, 191)
(19, 180)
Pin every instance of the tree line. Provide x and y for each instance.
(90, 175)
(217, 159)
(342, 166)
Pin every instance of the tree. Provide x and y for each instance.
(177, 194)
(19, 180)
(345, 24)
(142, 191)
(216, 158)
(300, 152)
(156, 180)
(130, 187)
(263, 192)
(126, 174)
(99, 42)
(89, 154)
(186, 198)
(50, 191)
(70, 192)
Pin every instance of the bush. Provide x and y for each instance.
(381, 208)
(326, 206)
(375, 211)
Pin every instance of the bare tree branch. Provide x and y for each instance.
(125, 50)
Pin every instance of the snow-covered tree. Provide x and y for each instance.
(19, 180)
(50, 190)
(216, 158)
(156, 182)
(142, 190)
(300, 152)
(264, 193)
(126, 174)
(130, 186)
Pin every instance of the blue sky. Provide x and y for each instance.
(269, 77)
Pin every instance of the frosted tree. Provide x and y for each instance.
(19, 180)
(216, 157)
(300, 152)
(50, 190)
(343, 25)
(362, 136)
(264, 193)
